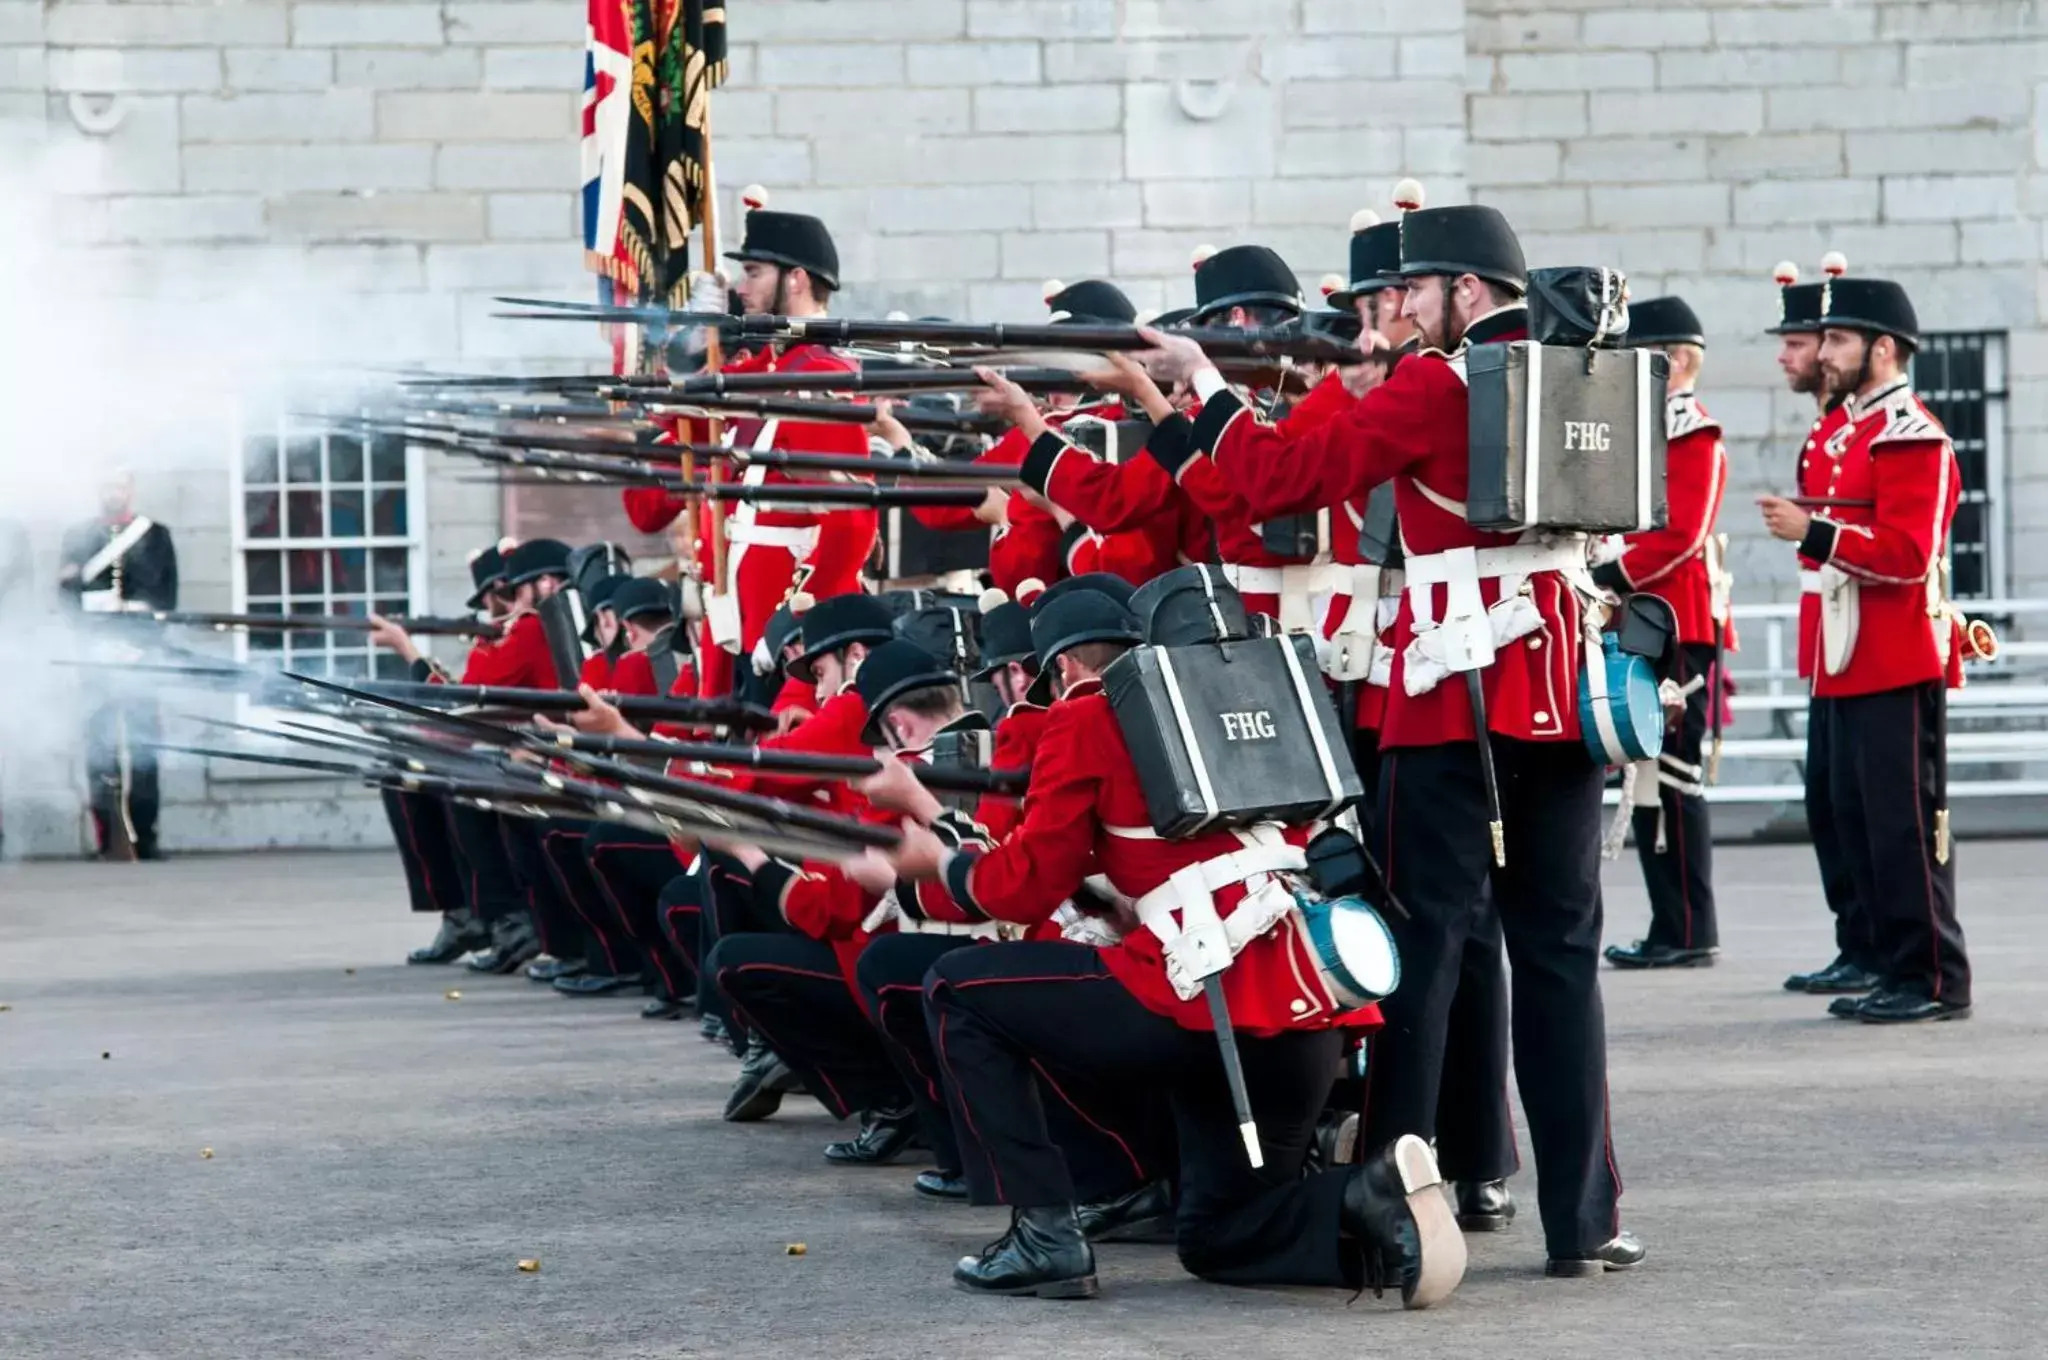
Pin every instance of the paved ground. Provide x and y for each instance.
(384, 1157)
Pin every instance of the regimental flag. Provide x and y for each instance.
(648, 77)
(607, 125)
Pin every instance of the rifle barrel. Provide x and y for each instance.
(795, 762)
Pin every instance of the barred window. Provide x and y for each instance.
(1961, 377)
(326, 521)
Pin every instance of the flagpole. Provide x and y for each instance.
(714, 358)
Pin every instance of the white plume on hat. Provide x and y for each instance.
(992, 599)
(1028, 590)
(1331, 283)
(754, 196)
(507, 544)
(1363, 219)
(1786, 274)
(1051, 289)
(801, 602)
(1408, 195)
(1201, 256)
(1834, 264)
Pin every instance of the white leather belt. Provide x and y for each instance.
(1292, 585)
(979, 930)
(798, 539)
(1517, 559)
(1809, 581)
(1235, 866)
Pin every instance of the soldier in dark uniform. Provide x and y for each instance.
(121, 562)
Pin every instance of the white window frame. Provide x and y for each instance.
(414, 540)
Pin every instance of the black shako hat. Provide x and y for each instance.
(1878, 306)
(1469, 238)
(837, 622)
(1005, 637)
(791, 240)
(1375, 258)
(1101, 582)
(1189, 605)
(596, 596)
(536, 558)
(1091, 302)
(1663, 321)
(1077, 617)
(1798, 303)
(486, 570)
(633, 596)
(1244, 276)
(594, 561)
(889, 672)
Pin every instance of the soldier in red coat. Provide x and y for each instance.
(1855, 967)
(791, 269)
(999, 1016)
(1465, 277)
(1891, 647)
(1678, 564)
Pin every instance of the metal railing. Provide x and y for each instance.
(1998, 720)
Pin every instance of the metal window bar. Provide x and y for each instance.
(1961, 376)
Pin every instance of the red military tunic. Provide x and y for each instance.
(771, 547)
(1892, 451)
(632, 673)
(1411, 429)
(1816, 467)
(1084, 793)
(1671, 562)
(597, 671)
(1017, 737)
(520, 659)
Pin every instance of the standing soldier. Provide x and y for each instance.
(1678, 564)
(1465, 277)
(791, 269)
(1891, 646)
(121, 562)
(1854, 970)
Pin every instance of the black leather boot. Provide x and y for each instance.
(545, 969)
(1618, 1253)
(1644, 954)
(937, 1184)
(1143, 1215)
(1395, 1210)
(1044, 1254)
(883, 1136)
(513, 945)
(460, 933)
(764, 1080)
(1484, 1206)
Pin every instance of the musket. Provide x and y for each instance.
(1216, 341)
(879, 467)
(791, 762)
(826, 412)
(872, 381)
(259, 758)
(557, 443)
(631, 472)
(719, 712)
(1831, 503)
(639, 782)
(582, 383)
(332, 623)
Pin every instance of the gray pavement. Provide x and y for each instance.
(383, 1158)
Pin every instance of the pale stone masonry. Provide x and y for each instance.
(419, 158)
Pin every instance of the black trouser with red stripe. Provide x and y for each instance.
(426, 848)
(1000, 1017)
(1855, 938)
(788, 989)
(1674, 840)
(1475, 1125)
(725, 892)
(1112, 1145)
(1887, 777)
(1437, 849)
(679, 907)
(488, 882)
(572, 896)
(630, 868)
